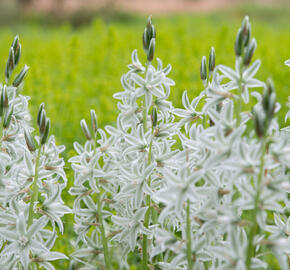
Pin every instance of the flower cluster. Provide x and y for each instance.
(193, 188)
(31, 179)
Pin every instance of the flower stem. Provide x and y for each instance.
(145, 238)
(253, 231)
(146, 218)
(34, 196)
(148, 199)
(103, 235)
(188, 237)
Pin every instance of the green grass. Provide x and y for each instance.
(74, 70)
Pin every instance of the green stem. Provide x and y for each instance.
(34, 196)
(254, 228)
(103, 235)
(147, 217)
(145, 238)
(148, 199)
(188, 237)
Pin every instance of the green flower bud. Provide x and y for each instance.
(9, 65)
(94, 121)
(85, 129)
(17, 50)
(239, 43)
(211, 60)
(154, 117)
(151, 50)
(250, 52)
(269, 99)
(4, 102)
(41, 108)
(19, 78)
(42, 125)
(148, 34)
(29, 141)
(145, 40)
(8, 117)
(203, 70)
(259, 121)
(46, 132)
(246, 30)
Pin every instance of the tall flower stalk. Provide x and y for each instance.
(31, 179)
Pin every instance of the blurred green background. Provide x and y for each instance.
(76, 58)
(77, 68)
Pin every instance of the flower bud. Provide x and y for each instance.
(29, 141)
(42, 122)
(239, 43)
(203, 70)
(259, 121)
(85, 129)
(246, 30)
(19, 78)
(94, 121)
(148, 34)
(17, 50)
(41, 108)
(46, 132)
(3, 100)
(8, 117)
(151, 50)
(250, 52)
(9, 65)
(211, 60)
(5, 97)
(269, 99)
(154, 117)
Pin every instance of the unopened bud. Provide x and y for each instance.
(259, 121)
(94, 121)
(19, 78)
(17, 50)
(8, 117)
(5, 97)
(46, 132)
(269, 98)
(148, 34)
(42, 122)
(211, 60)
(3, 100)
(151, 50)
(29, 141)
(9, 65)
(250, 52)
(239, 43)
(203, 70)
(246, 30)
(41, 107)
(154, 117)
(85, 129)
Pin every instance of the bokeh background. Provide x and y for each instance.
(77, 51)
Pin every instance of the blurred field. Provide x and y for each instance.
(74, 70)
